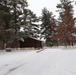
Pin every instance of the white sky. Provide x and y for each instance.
(37, 5)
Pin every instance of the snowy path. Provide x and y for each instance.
(47, 62)
(29, 63)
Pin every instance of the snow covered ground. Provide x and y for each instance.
(54, 61)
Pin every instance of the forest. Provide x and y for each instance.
(17, 22)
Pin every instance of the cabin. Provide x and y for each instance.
(31, 42)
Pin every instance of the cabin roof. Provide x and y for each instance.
(38, 39)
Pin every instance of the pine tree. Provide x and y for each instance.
(15, 11)
(32, 28)
(19, 12)
(5, 28)
(46, 25)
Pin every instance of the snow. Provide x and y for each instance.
(50, 61)
(37, 23)
(67, 63)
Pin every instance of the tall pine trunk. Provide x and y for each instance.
(5, 45)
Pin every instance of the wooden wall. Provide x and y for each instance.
(29, 42)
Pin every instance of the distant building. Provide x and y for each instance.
(28, 42)
(31, 42)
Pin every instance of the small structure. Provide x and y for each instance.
(31, 42)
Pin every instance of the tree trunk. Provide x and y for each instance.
(57, 44)
(5, 45)
(72, 43)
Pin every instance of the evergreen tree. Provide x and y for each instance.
(5, 28)
(12, 16)
(45, 26)
(32, 28)
(19, 12)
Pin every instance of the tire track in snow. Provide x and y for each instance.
(12, 69)
(4, 66)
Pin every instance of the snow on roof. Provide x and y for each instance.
(37, 22)
(22, 29)
(37, 39)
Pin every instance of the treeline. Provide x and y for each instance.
(60, 31)
(65, 33)
(15, 15)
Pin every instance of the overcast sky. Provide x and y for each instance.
(37, 5)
